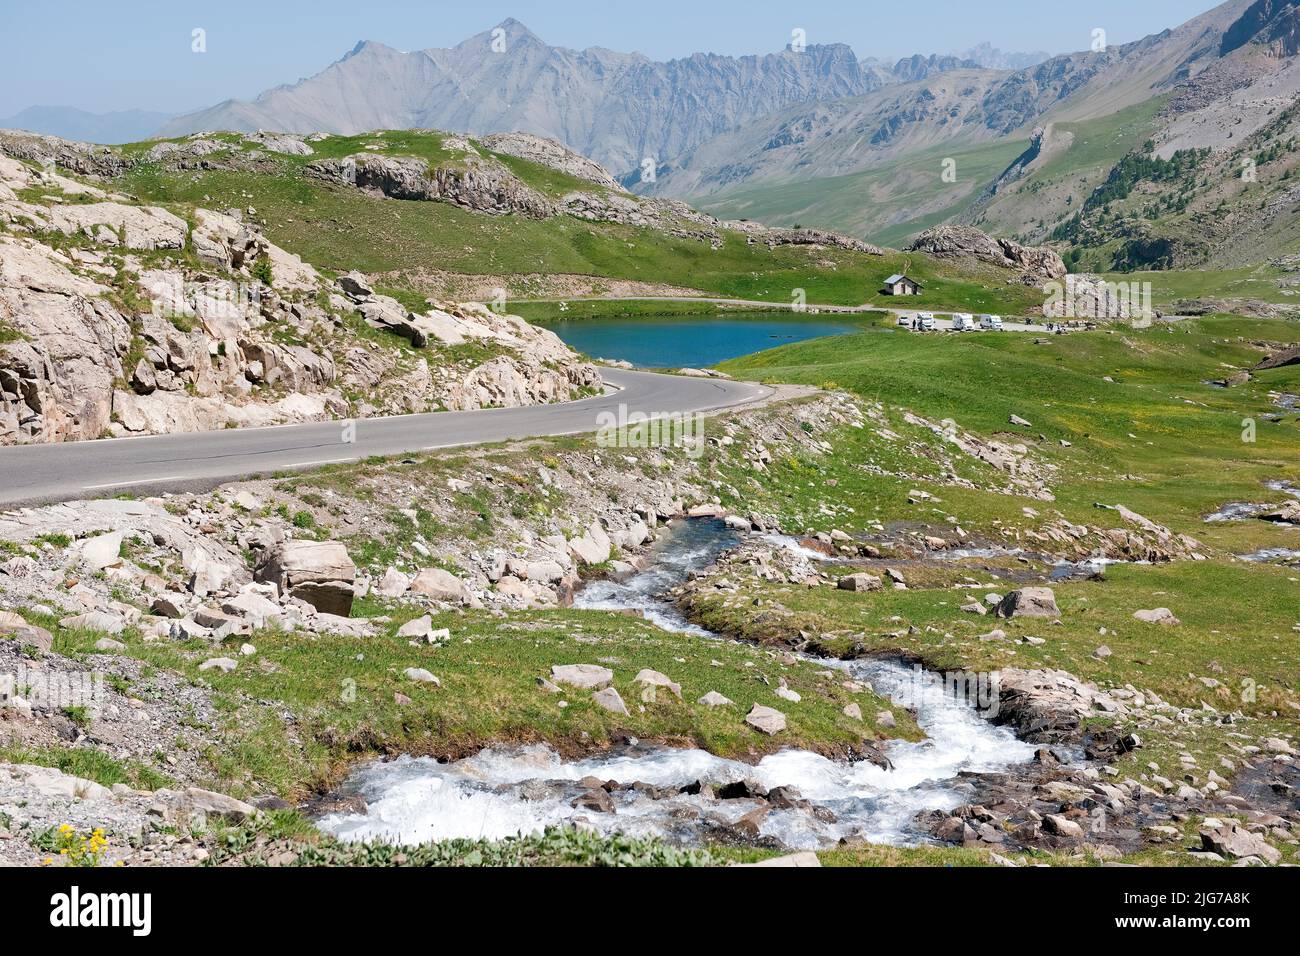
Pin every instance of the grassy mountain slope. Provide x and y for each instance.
(1073, 159)
(426, 247)
(1227, 208)
(890, 203)
(1157, 419)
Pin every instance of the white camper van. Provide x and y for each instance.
(963, 322)
(991, 323)
(925, 322)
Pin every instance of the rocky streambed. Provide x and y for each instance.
(1019, 767)
(793, 798)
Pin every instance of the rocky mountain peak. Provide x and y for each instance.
(367, 46)
(512, 31)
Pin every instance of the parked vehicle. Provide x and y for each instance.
(905, 321)
(925, 322)
(963, 322)
(991, 323)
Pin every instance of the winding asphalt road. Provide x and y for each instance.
(38, 474)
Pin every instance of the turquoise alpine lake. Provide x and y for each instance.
(690, 341)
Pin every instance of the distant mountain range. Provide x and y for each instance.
(990, 58)
(617, 108)
(964, 106)
(1081, 149)
(125, 126)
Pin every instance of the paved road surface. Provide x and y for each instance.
(32, 474)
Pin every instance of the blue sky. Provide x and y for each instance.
(120, 54)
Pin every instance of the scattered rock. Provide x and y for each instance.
(1062, 826)
(218, 805)
(102, 551)
(859, 582)
(582, 676)
(1234, 842)
(655, 679)
(15, 627)
(94, 621)
(441, 585)
(610, 700)
(766, 720)
(1029, 602)
(1160, 615)
(596, 799)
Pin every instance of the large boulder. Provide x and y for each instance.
(1287, 356)
(592, 546)
(101, 551)
(318, 572)
(859, 582)
(1158, 615)
(219, 805)
(609, 699)
(1029, 602)
(440, 585)
(650, 678)
(1235, 842)
(965, 242)
(1061, 826)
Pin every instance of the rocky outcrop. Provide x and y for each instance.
(57, 378)
(112, 223)
(1092, 297)
(281, 143)
(1036, 264)
(483, 185)
(772, 236)
(1281, 359)
(535, 365)
(87, 159)
(549, 152)
(96, 341)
